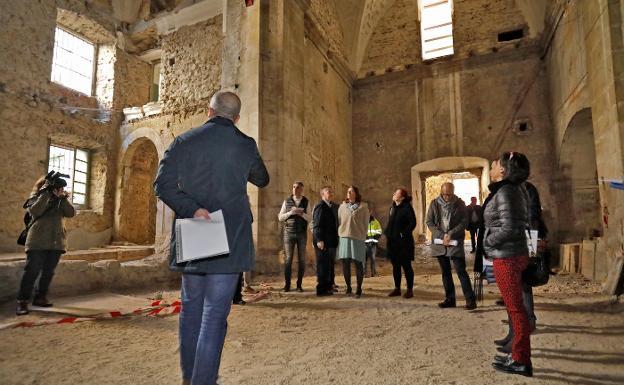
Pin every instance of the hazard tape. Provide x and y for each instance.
(156, 308)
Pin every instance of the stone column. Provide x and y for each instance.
(602, 20)
(281, 117)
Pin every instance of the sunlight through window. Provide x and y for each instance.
(436, 28)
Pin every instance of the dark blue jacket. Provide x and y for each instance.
(209, 167)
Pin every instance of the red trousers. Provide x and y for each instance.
(508, 272)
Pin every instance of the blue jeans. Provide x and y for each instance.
(206, 303)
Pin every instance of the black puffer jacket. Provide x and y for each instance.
(401, 224)
(506, 220)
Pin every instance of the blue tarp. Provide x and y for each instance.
(617, 185)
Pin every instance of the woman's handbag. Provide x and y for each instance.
(537, 272)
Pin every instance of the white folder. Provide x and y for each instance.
(200, 238)
(452, 242)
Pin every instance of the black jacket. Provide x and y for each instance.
(325, 224)
(401, 224)
(536, 222)
(506, 220)
(209, 167)
(477, 209)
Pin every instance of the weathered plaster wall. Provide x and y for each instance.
(191, 66)
(478, 23)
(192, 58)
(305, 129)
(414, 116)
(35, 111)
(604, 47)
(567, 71)
(324, 15)
(138, 202)
(396, 40)
(134, 81)
(585, 65)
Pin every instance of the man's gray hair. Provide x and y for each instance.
(226, 104)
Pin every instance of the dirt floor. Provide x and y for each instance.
(297, 338)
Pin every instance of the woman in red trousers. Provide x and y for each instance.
(506, 220)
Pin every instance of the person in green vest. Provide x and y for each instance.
(372, 239)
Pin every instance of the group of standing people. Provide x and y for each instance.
(349, 233)
(197, 176)
(497, 229)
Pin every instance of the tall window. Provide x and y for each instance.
(436, 28)
(75, 163)
(72, 65)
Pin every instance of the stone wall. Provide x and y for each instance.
(40, 112)
(191, 66)
(567, 71)
(396, 40)
(584, 64)
(305, 127)
(467, 109)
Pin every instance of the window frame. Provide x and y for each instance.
(86, 204)
(96, 48)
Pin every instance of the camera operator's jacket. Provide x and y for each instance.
(209, 167)
(48, 232)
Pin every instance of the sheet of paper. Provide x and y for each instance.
(532, 240)
(453, 242)
(200, 238)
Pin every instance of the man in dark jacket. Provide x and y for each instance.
(446, 220)
(325, 239)
(474, 217)
(295, 216)
(204, 170)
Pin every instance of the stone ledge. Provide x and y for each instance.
(74, 277)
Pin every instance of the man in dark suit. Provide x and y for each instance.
(325, 239)
(204, 170)
(474, 213)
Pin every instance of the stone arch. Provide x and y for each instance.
(579, 197)
(137, 210)
(438, 166)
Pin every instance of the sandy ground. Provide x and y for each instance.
(297, 338)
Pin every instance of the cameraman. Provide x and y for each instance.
(45, 242)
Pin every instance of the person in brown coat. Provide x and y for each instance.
(48, 205)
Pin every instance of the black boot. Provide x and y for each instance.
(513, 367)
(471, 304)
(358, 292)
(42, 302)
(447, 303)
(349, 291)
(22, 308)
(501, 359)
(395, 293)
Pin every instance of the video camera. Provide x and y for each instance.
(53, 181)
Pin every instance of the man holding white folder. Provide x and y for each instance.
(447, 220)
(204, 171)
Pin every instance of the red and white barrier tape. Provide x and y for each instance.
(157, 308)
